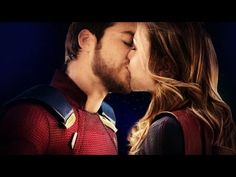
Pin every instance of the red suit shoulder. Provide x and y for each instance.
(26, 127)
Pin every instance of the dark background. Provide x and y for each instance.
(31, 51)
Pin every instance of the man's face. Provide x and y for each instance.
(111, 60)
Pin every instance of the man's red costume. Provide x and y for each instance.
(29, 128)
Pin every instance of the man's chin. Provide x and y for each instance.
(127, 88)
(127, 91)
(122, 88)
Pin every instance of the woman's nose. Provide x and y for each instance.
(131, 54)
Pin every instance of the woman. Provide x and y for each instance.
(177, 64)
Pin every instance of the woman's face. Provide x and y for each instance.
(140, 77)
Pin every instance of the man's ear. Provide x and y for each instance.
(86, 40)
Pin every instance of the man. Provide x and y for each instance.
(96, 63)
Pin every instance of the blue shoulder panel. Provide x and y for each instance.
(107, 111)
(49, 97)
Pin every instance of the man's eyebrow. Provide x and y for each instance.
(128, 32)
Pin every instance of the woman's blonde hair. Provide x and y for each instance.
(184, 65)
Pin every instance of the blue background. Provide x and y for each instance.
(31, 51)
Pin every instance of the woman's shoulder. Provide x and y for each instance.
(165, 136)
(164, 119)
(178, 117)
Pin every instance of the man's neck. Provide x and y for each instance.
(89, 84)
(93, 103)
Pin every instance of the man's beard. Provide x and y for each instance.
(108, 75)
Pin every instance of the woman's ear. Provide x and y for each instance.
(86, 40)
